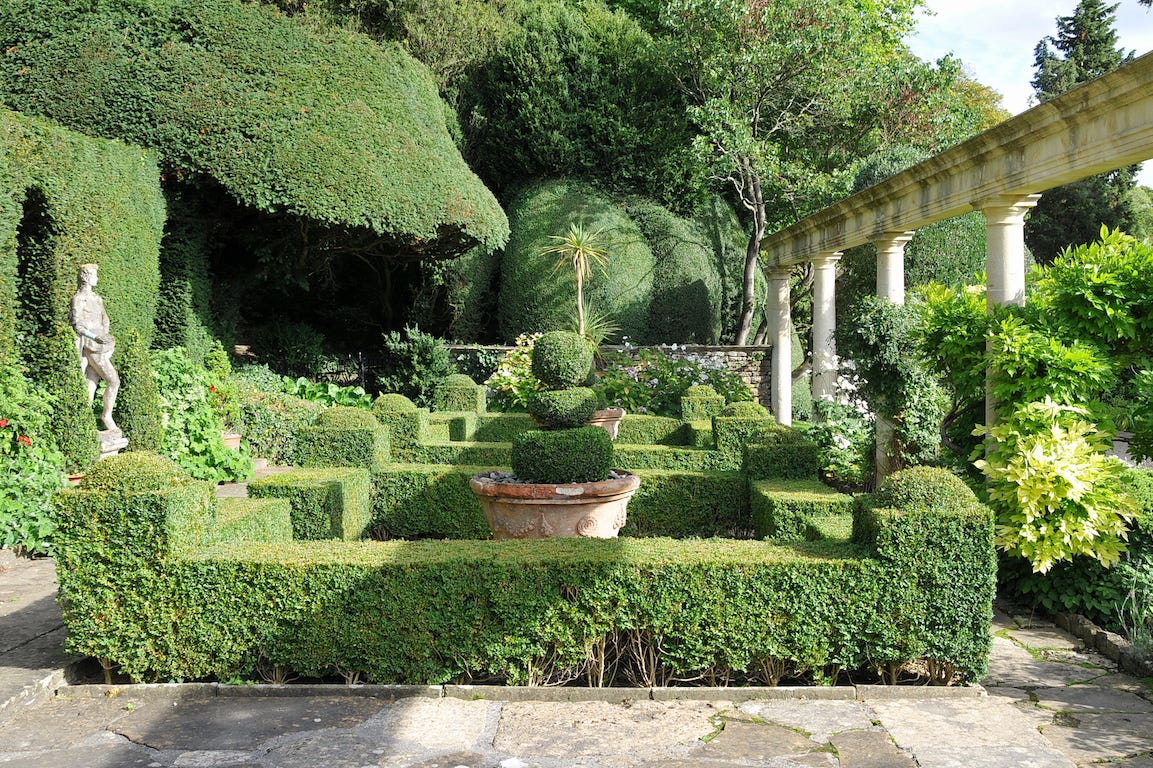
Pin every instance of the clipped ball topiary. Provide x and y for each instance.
(393, 403)
(132, 472)
(562, 359)
(924, 489)
(700, 390)
(560, 408)
(746, 409)
(346, 417)
(580, 455)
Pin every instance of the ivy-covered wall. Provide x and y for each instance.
(67, 200)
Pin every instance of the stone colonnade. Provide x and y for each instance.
(1096, 127)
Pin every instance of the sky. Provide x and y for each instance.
(996, 38)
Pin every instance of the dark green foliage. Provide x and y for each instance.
(290, 348)
(785, 510)
(580, 92)
(1085, 48)
(561, 408)
(138, 411)
(686, 303)
(407, 426)
(535, 298)
(326, 503)
(414, 364)
(270, 421)
(746, 409)
(464, 453)
(578, 455)
(924, 488)
(671, 457)
(562, 359)
(244, 519)
(335, 128)
(700, 403)
(685, 504)
(184, 312)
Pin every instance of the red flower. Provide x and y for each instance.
(3, 423)
(25, 441)
(211, 387)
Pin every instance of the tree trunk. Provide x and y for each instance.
(754, 201)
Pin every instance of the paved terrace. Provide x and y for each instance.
(1047, 702)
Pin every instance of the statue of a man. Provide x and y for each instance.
(94, 343)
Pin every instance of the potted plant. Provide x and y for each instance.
(223, 394)
(583, 248)
(562, 483)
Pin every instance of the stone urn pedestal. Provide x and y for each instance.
(517, 510)
(608, 419)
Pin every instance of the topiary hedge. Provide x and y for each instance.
(332, 126)
(535, 298)
(577, 455)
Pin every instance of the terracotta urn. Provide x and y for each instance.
(231, 439)
(517, 510)
(608, 419)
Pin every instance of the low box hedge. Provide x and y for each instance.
(333, 503)
(640, 429)
(674, 458)
(253, 519)
(785, 510)
(501, 427)
(365, 447)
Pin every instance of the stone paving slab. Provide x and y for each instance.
(819, 720)
(1012, 666)
(1096, 738)
(870, 749)
(1091, 699)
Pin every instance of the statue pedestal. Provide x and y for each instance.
(112, 442)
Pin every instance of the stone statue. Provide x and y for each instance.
(94, 343)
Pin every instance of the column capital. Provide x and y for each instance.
(822, 259)
(1006, 209)
(891, 240)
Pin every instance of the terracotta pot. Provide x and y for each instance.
(546, 510)
(74, 478)
(231, 439)
(609, 420)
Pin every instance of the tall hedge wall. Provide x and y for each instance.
(74, 200)
(326, 125)
(535, 298)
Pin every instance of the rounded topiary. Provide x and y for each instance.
(580, 455)
(393, 403)
(746, 409)
(700, 390)
(558, 408)
(562, 359)
(923, 489)
(346, 417)
(134, 471)
(459, 380)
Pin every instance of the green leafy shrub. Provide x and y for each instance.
(346, 417)
(701, 402)
(746, 409)
(924, 489)
(406, 423)
(31, 467)
(259, 377)
(332, 503)
(651, 381)
(344, 436)
(578, 455)
(1055, 492)
(562, 359)
(560, 408)
(222, 390)
(844, 435)
(512, 382)
(392, 403)
(270, 421)
(414, 364)
(461, 393)
(784, 510)
(780, 453)
(328, 393)
(191, 427)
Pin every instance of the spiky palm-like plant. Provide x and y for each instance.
(581, 248)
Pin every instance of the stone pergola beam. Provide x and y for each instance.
(1099, 126)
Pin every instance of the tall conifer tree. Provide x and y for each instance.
(1084, 48)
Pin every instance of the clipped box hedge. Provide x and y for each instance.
(786, 510)
(253, 519)
(639, 429)
(333, 503)
(501, 427)
(141, 590)
(365, 447)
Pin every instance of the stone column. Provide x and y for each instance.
(891, 286)
(824, 324)
(891, 265)
(1004, 260)
(781, 337)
